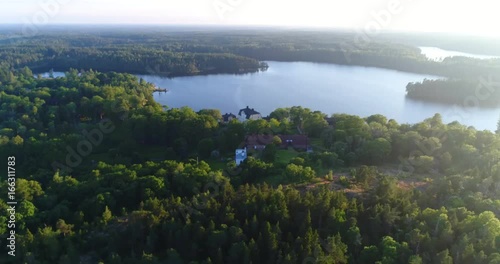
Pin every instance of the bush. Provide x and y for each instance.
(329, 176)
(299, 173)
(344, 181)
(365, 175)
(423, 164)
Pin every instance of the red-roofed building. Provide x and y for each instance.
(259, 142)
(295, 141)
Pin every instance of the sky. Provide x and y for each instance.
(478, 17)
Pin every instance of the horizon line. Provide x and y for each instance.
(249, 27)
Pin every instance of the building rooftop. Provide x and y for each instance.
(241, 154)
(227, 117)
(248, 112)
(259, 141)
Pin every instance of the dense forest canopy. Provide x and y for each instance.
(131, 50)
(159, 185)
(486, 92)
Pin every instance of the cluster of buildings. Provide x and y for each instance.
(250, 114)
(259, 142)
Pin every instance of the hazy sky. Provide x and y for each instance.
(479, 17)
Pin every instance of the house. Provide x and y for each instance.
(259, 142)
(240, 156)
(228, 117)
(250, 114)
(300, 142)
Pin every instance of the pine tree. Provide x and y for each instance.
(444, 257)
(270, 241)
(106, 215)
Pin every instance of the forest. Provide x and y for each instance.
(107, 175)
(172, 53)
(483, 92)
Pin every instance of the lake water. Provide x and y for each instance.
(438, 54)
(329, 88)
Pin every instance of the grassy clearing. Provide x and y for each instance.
(285, 155)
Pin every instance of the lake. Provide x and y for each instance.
(330, 88)
(438, 54)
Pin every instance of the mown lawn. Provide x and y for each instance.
(285, 155)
